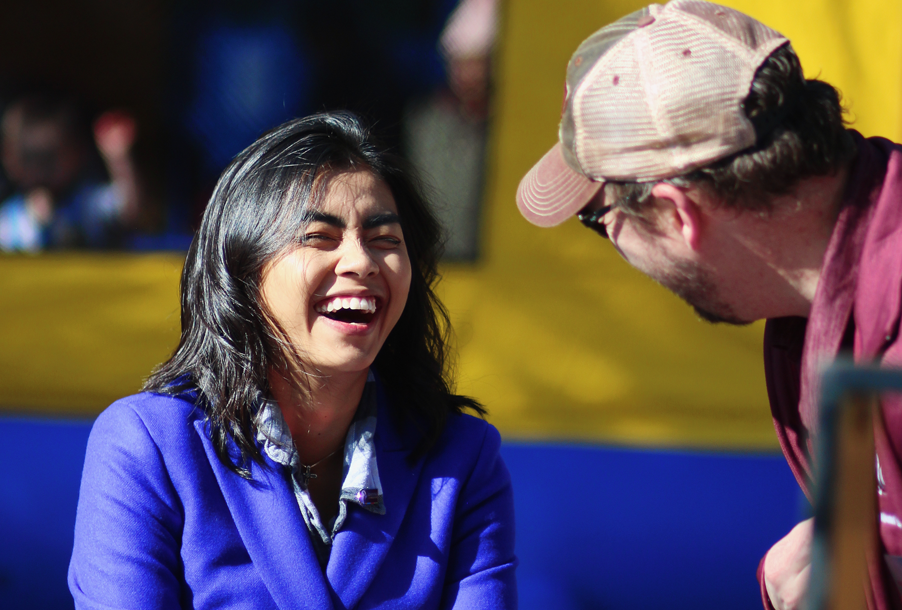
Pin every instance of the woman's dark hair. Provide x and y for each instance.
(261, 203)
(800, 134)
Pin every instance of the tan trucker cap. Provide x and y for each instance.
(653, 95)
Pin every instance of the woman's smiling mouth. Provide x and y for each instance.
(350, 310)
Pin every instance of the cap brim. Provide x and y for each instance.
(552, 192)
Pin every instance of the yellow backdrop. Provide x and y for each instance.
(557, 336)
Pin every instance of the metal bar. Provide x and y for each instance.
(845, 505)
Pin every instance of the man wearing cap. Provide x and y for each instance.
(691, 139)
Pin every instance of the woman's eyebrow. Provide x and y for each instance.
(328, 219)
(378, 220)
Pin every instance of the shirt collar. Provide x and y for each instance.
(360, 484)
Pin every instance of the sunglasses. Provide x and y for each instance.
(593, 220)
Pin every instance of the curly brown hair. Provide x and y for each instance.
(801, 133)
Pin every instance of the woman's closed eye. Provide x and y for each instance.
(324, 239)
(319, 238)
(386, 242)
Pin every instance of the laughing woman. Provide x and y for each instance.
(302, 447)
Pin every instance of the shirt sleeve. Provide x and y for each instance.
(129, 520)
(482, 561)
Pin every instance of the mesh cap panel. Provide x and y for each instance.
(586, 58)
(653, 95)
(664, 93)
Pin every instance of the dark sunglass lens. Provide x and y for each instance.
(595, 220)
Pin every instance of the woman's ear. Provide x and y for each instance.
(686, 215)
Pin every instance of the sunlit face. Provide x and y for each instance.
(341, 289)
(657, 255)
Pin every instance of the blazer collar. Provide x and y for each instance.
(272, 528)
(842, 275)
(362, 544)
(878, 299)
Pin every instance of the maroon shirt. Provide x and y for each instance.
(859, 292)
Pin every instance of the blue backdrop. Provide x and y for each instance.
(597, 527)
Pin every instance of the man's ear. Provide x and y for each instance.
(687, 215)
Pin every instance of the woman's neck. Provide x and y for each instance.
(318, 416)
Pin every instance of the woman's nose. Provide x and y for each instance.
(356, 259)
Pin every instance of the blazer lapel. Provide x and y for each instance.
(270, 524)
(364, 540)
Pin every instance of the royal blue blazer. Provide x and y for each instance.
(162, 523)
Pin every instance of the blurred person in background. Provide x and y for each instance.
(691, 139)
(445, 133)
(65, 194)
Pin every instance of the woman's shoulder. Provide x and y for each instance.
(463, 441)
(154, 406)
(464, 425)
(148, 414)
(467, 438)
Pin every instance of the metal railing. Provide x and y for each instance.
(845, 503)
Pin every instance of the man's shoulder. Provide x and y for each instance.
(877, 170)
(878, 294)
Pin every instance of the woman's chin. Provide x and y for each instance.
(345, 361)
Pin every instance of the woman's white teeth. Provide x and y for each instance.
(367, 304)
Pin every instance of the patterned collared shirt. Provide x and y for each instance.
(360, 483)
